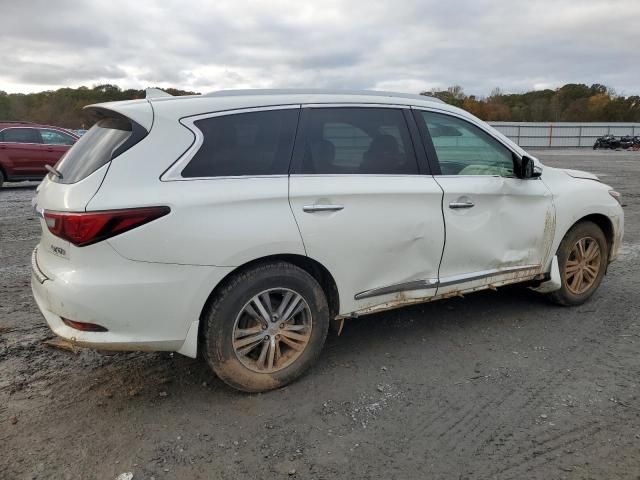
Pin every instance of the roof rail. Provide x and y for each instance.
(319, 91)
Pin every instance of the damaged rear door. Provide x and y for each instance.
(365, 207)
(499, 228)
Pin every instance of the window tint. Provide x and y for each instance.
(464, 149)
(21, 135)
(54, 137)
(94, 149)
(356, 141)
(255, 143)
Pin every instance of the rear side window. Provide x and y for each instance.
(21, 135)
(355, 141)
(244, 144)
(97, 147)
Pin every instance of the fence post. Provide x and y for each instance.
(580, 136)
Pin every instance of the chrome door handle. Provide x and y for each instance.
(455, 205)
(322, 208)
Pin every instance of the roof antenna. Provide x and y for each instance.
(156, 93)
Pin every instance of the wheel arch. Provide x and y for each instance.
(311, 266)
(602, 221)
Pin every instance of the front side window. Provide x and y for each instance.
(21, 135)
(464, 149)
(244, 144)
(346, 140)
(53, 137)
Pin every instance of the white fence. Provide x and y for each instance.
(562, 134)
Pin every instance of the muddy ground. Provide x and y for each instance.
(495, 385)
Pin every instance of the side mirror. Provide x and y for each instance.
(526, 168)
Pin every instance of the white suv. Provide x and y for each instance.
(241, 224)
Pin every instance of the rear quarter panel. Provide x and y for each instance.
(219, 221)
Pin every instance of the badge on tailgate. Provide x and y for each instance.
(58, 251)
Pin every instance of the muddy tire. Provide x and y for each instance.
(265, 327)
(582, 259)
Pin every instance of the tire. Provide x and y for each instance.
(227, 317)
(568, 252)
(2, 179)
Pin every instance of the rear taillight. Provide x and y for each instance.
(85, 228)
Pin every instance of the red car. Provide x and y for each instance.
(25, 149)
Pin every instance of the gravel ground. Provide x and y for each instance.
(495, 385)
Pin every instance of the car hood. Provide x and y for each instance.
(580, 174)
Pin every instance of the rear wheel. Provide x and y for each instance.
(266, 327)
(1, 178)
(582, 259)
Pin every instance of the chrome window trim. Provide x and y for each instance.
(359, 175)
(227, 177)
(356, 105)
(174, 172)
(430, 283)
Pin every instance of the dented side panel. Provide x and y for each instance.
(409, 298)
(511, 224)
(576, 198)
(389, 231)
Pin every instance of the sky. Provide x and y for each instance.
(406, 46)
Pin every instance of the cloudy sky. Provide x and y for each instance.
(401, 45)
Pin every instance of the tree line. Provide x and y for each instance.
(569, 103)
(64, 107)
(573, 102)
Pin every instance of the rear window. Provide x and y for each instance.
(255, 143)
(94, 149)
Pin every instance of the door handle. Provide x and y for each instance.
(322, 208)
(456, 205)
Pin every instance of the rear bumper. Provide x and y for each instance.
(144, 306)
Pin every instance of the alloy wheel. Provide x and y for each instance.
(272, 330)
(583, 265)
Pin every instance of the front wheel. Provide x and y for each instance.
(266, 327)
(582, 260)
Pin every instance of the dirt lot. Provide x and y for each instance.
(495, 385)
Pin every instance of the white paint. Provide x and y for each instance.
(148, 286)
